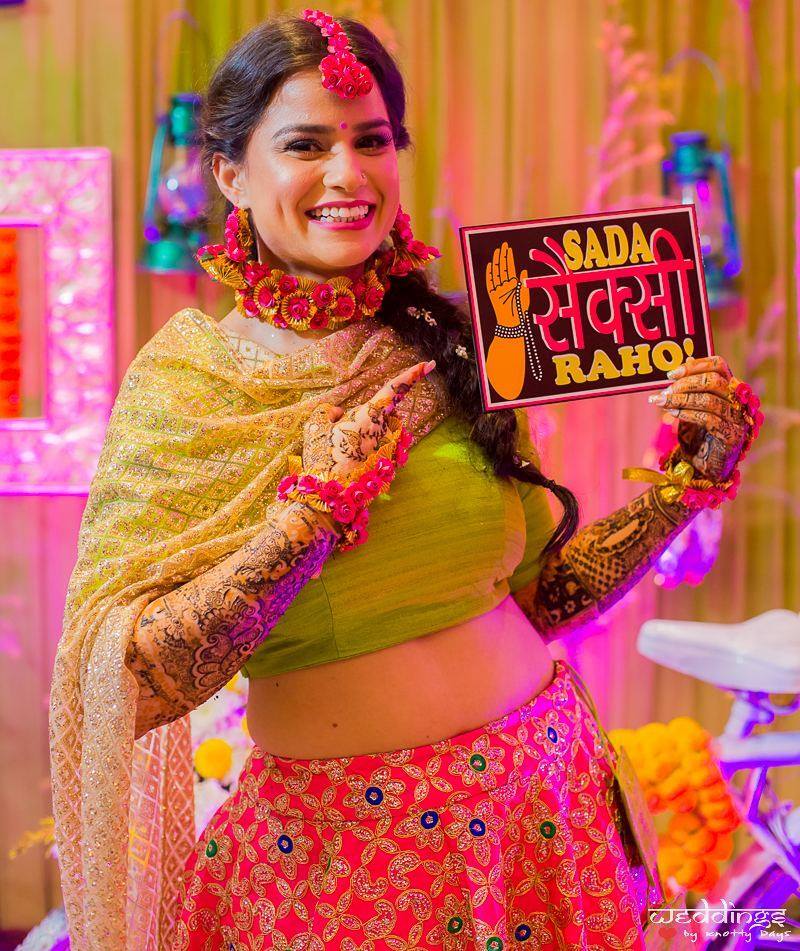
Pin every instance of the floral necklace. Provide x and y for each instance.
(301, 303)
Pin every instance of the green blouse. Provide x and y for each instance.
(448, 542)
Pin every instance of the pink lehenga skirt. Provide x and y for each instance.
(510, 835)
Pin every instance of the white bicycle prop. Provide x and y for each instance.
(753, 660)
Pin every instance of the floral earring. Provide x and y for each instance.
(226, 262)
(408, 253)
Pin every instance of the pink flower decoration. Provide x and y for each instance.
(266, 298)
(330, 490)
(307, 483)
(209, 251)
(372, 485)
(343, 511)
(254, 272)
(286, 485)
(358, 288)
(278, 321)
(235, 253)
(344, 306)
(405, 440)
(298, 308)
(322, 295)
(341, 71)
(402, 457)
(361, 520)
(250, 306)
(419, 248)
(743, 392)
(287, 284)
(373, 297)
(356, 495)
(319, 321)
(385, 469)
(401, 267)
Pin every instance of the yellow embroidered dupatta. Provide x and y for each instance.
(195, 447)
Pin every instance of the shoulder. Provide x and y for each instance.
(189, 331)
(190, 322)
(184, 344)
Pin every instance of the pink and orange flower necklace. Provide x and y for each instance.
(276, 297)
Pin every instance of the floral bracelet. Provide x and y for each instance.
(347, 502)
(678, 481)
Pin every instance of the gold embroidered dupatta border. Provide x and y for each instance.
(195, 446)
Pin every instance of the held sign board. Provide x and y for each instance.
(567, 308)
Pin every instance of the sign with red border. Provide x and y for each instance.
(590, 305)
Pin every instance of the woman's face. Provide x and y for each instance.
(312, 148)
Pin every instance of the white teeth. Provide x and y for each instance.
(347, 214)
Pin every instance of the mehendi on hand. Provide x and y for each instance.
(713, 425)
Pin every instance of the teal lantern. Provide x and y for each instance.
(176, 206)
(696, 175)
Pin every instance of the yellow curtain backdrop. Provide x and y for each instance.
(507, 102)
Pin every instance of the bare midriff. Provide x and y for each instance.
(411, 694)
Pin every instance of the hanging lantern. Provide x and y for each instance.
(696, 175)
(177, 203)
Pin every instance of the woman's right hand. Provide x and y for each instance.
(336, 441)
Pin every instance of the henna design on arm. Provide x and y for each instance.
(335, 448)
(601, 564)
(188, 643)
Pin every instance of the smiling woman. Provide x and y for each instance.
(424, 775)
(345, 161)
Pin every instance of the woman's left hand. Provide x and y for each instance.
(713, 427)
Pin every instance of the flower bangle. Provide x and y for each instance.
(677, 481)
(347, 502)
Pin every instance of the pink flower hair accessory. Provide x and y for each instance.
(341, 72)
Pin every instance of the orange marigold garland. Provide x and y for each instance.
(683, 783)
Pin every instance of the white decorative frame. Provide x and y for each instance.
(66, 193)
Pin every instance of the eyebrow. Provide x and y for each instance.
(323, 129)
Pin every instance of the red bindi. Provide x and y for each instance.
(342, 125)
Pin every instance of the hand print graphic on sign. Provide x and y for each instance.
(567, 308)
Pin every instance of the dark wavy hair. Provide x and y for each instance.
(239, 92)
